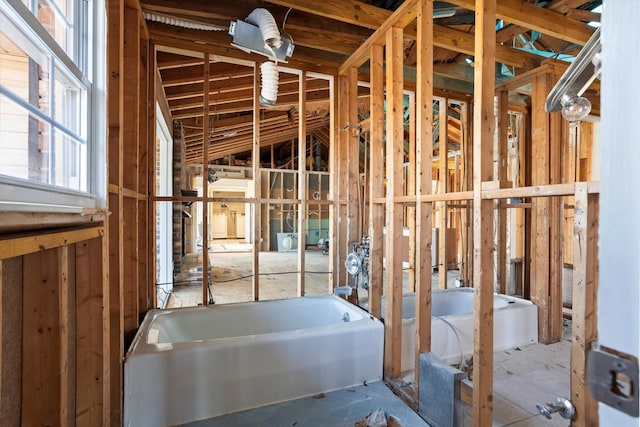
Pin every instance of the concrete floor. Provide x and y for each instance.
(524, 376)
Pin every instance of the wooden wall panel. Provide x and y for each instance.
(11, 360)
(90, 334)
(41, 384)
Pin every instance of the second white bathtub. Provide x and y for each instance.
(515, 323)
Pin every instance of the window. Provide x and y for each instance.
(52, 123)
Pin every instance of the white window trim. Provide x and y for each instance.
(20, 195)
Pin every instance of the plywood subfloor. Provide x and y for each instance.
(334, 409)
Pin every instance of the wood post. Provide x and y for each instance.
(443, 175)
(501, 243)
(206, 69)
(585, 291)
(115, 226)
(484, 83)
(257, 188)
(376, 179)
(302, 179)
(410, 190)
(130, 132)
(395, 154)
(424, 154)
(546, 255)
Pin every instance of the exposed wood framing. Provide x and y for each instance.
(410, 190)
(501, 242)
(115, 226)
(556, 126)
(302, 181)
(144, 174)
(205, 182)
(394, 155)
(342, 184)
(352, 140)
(255, 156)
(546, 21)
(466, 116)
(546, 271)
(483, 132)
(443, 178)
(92, 374)
(67, 350)
(402, 16)
(18, 246)
(334, 180)
(151, 178)
(424, 154)
(585, 291)
(130, 157)
(376, 178)
(41, 382)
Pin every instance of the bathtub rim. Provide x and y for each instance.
(140, 347)
(513, 301)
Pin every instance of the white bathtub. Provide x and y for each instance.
(515, 323)
(196, 363)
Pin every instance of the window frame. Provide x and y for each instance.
(88, 70)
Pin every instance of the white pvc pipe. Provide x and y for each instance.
(269, 76)
(268, 27)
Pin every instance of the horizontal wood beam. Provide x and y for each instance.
(527, 15)
(286, 86)
(398, 19)
(304, 58)
(365, 15)
(17, 246)
(284, 102)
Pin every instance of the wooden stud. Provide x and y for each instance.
(410, 191)
(376, 179)
(100, 265)
(115, 85)
(556, 124)
(67, 347)
(130, 131)
(352, 148)
(144, 172)
(501, 243)
(302, 181)
(443, 175)
(484, 83)
(342, 169)
(541, 207)
(424, 157)
(255, 163)
(585, 291)
(205, 182)
(151, 178)
(395, 154)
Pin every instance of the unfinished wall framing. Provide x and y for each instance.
(538, 185)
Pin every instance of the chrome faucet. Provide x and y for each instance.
(563, 406)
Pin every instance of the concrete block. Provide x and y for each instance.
(439, 385)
